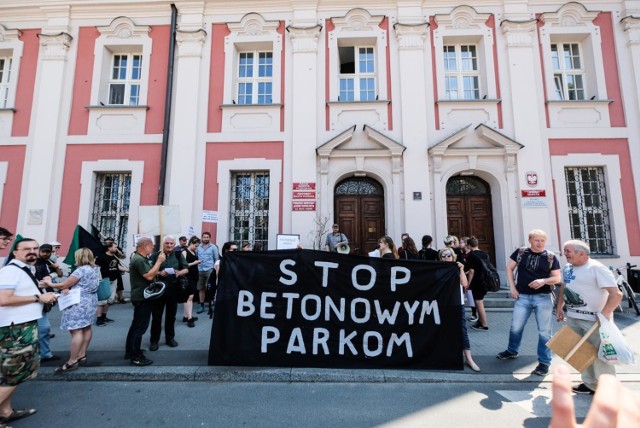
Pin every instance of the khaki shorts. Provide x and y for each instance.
(19, 353)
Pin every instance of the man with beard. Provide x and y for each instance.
(44, 268)
(20, 307)
(111, 268)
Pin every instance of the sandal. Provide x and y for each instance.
(17, 414)
(66, 367)
(82, 361)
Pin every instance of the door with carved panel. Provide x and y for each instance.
(359, 207)
(469, 211)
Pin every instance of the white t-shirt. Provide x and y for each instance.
(12, 278)
(588, 282)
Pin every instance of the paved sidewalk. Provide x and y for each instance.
(188, 362)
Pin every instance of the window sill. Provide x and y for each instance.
(578, 102)
(116, 107)
(11, 109)
(486, 100)
(261, 106)
(342, 103)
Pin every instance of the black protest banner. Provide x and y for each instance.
(303, 308)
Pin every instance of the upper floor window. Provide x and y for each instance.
(572, 55)
(255, 77)
(356, 53)
(463, 42)
(568, 71)
(357, 73)
(124, 85)
(10, 53)
(461, 73)
(5, 80)
(121, 68)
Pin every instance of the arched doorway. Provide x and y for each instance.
(359, 210)
(469, 211)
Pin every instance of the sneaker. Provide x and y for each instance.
(541, 370)
(478, 326)
(100, 322)
(140, 361)
(583, 389)
(153, 346)
(506, 355)
(200, 310)
(190, 323)
(108, 320)
(472, 318)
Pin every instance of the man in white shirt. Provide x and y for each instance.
(593, 290)
(20, 307)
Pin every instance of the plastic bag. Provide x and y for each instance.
(613, 347)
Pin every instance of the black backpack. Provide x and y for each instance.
(488, 275)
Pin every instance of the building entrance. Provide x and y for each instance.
(359, 208)
(469, 211)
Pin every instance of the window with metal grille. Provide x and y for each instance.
(249, 210)
(357, 73)
(255, 77)
(568, 71)
(5, 80)
(461, 73)
(111, 205)
(124, 83)
(589, 208)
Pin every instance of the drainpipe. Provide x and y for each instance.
(167, 107)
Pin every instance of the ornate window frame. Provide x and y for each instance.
(252, 33)
(121, 36)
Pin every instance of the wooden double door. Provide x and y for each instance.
(470, 214)
(359, 208)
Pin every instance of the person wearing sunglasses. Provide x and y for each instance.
(448, 255)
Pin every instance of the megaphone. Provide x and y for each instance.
(343, 248)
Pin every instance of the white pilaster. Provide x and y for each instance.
(43, 168)
(185, 166)
(417, 216)
(300, 153)
(528, 121)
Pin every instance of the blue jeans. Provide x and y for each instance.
(44, 328)
(542, 307)
(139, 325)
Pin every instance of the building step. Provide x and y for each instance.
(499, 299)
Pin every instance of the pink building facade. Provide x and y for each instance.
(285, 117)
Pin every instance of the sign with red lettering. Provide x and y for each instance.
(303, 205)
(304, 186)
(534, 193)
(303, 194)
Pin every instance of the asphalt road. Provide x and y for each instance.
(203, 404)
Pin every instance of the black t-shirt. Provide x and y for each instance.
(42, 269)
(473, 262)
(533, 266)
(108, 266)
(428, 254)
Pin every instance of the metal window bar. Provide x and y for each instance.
(249, 208)
(111, 205)
(589, 216)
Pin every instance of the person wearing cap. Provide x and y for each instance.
(335, 238)
(45, 269)
(55, 246)
(141, 274)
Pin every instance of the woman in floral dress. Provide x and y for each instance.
(78, 318)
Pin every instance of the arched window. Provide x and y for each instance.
(467, 186)
(359, 186)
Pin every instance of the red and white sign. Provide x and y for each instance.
(532, 178)
(303, 194)
(534, 193)
(303, 205)
(304, 186)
